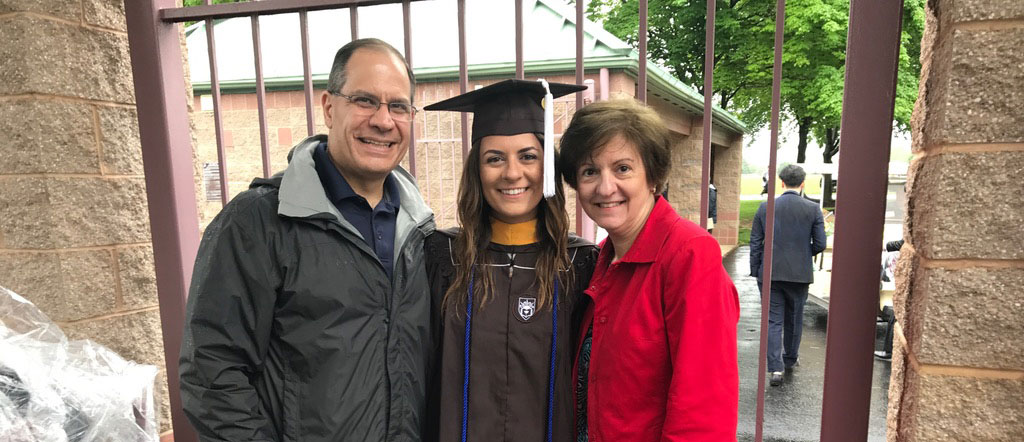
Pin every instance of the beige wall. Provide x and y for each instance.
(958, 367)
(74, 225)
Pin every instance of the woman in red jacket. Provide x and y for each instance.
(657, 359)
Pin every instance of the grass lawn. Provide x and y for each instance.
(747, 210)
(750, 185)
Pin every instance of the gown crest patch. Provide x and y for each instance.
(527, 307)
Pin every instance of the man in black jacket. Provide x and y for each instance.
(799, 234)
(308, 315)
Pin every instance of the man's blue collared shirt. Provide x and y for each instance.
(377, 224)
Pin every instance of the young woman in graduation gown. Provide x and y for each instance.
(507, 285)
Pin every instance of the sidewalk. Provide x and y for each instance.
(792, 410)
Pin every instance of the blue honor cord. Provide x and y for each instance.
(465, 359)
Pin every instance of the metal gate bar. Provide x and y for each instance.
(463, 75)
(579, 59)
(641, 81)
(261, 94)
(264, 7)
(769, 228)
(218, 127)
(872, 56)
(353, 21)
(407, 30)
(709, 93)
(307, 76)
(581, 216)
(520, 72)
(170, 190)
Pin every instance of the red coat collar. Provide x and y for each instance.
(652, 236)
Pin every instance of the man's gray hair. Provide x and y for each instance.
(337, 78)
(792, 175)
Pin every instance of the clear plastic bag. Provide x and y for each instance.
(55, 390)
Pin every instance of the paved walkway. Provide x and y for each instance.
(792, 410)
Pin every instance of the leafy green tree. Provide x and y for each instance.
(814, 57)
(826, 132)
(676, 39)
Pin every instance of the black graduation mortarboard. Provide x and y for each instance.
(508, 107)
(513, 107)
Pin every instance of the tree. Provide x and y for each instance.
(909, 70)
(676, 41)
(827, 131)
(814, 57)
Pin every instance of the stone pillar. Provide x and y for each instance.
(958, 367)
(728, 165)
(74, 225)
(684, 178)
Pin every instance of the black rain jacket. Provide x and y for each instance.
(294, 331)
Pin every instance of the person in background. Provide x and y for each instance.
(892, 255)
(799, 235)
(712, 206)
(308, 315)
(657, 360)
(507, 283)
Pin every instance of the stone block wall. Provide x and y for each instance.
(74, 225)
(684, 180)
(958, 367)
(728, 165)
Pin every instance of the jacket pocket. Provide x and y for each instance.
(290, 414)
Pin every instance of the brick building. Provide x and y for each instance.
(549, 53)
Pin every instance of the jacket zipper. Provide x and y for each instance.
(387, 327)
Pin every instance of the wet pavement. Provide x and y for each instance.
(792, 410)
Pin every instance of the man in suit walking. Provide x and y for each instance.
(799, 234)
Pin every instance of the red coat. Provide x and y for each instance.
(663, 355)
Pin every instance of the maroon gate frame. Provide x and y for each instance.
(869, 97)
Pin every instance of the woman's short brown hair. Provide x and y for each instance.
(596, 124)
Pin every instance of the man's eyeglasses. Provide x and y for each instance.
(366, 106)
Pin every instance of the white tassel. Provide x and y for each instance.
(549, 141)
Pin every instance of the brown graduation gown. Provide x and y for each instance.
(510, 347)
